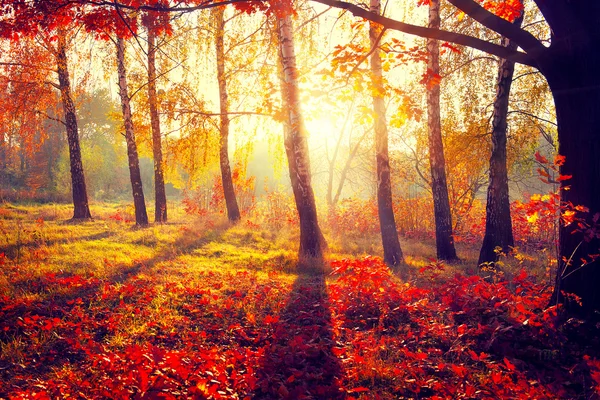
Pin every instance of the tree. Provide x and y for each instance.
(141, 216)
(233, 211)
(392, 253)
(79, 191)
(439, 188)
(27, 104)
(160, 198)
(570, 66)
(312, 242)
(498, 224)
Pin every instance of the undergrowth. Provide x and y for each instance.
(207, 310)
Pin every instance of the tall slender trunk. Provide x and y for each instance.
(80, 199)
(312, 242)
(392, 253)
(346, 170)
(141, 217)
(498, 224)
(233, 211)
(2, 150)
(444, 241)
(160, 198)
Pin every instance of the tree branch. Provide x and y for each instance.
(458, 38)
(45, 114)
(211, 114)
(202, 6)
(155, 79)
(532, 116)
(522, 38)
(18, 64)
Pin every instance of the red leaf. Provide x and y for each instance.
(540, 158)
(459, 370)
(451, 47)
(510, 366)
(496, 377)
(564, 177)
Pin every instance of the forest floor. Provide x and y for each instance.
(197, 308)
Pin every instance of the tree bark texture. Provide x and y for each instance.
(498, 223)
(441, 205)
(571, 68)
(233, 211)
(141, 216)
(392, 253)
(312, 242)
(160, 197)
(79, 191)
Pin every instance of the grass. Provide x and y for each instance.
(74, 295)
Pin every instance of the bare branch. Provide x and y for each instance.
(212, 114)
(533, 116)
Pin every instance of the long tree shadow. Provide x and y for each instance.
(299, 362)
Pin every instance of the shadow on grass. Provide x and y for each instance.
(12, 251)
(300, 360)
(25, 320)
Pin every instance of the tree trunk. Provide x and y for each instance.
(441, 205)
(141, 217)
(392, 253)
(2, 151)
(572, 73)
(80, 199)
(498, 224)
(233, 211)
(160, 198)
(312, 242)
(346, 170)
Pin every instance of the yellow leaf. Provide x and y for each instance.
(532, 219)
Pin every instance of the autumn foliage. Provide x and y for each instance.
(360, 333)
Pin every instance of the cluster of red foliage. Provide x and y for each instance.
(365, 333)
(463, 338)
(121, 216)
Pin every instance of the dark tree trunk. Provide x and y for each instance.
(441, 205)
(160, 198)
(392, 253)
(2, 151)
(233, 211)
(312, 242)
(498, 224)
(80, 199)
(141, 217)
(571, 68)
